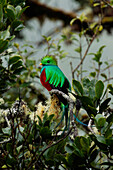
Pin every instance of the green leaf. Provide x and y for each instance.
(93, 110)
(110, 87)
(87, 105)
(19, 28)
(10, 12)
(104, 105)
(101, 139)
(78, 50)
(72, 21)
(3, 2)
(93, 155)
(3, 45)
(51, 152)
(97, 57)
(96, 4)
(11, 160)
(19, 132)
(86, 83)
(69, 148)
(99, 87)
(104, 75)
(85, 143)
(9, 147)
(78, 86)
(82, 146)
(15, 24)
(61, 158)
(100, 120)
(5, 167)
(20, 13)
(5, 34)
(108, 133)
(83, 17)
(110, 118)
(18, 71)
(19, 148)
(1, 13)
(92, 74)
(109, 141)
(74, 164)
(6, 130)
(14, 59)
(101, 48)
(18, 10)
(45, 132)
(86, 101)
(16, 65)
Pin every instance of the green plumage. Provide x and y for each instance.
(55, 77)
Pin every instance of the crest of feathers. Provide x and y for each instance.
(50, 56)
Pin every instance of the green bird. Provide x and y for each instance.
(52, 77)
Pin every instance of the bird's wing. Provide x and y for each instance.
(55, 76)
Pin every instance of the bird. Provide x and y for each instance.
(51, 77)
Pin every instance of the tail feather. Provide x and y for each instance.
(67, 118)
(64, 114)
(65, 111)
(80, 121)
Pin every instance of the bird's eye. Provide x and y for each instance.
(48, 61)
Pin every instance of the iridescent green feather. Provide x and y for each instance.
(55, 76)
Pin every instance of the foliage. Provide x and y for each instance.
(31, 141)
(17, 70)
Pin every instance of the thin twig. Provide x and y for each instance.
(107, 3)
(111, 78)
(89, 45)
(49, 146)
(111, 65)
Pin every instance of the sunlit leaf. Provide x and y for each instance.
(72, 21)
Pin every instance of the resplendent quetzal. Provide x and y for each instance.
(52, 77)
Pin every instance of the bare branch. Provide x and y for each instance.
(107, 3)
(49, 146)
(89, 45)
(111, 78)
(71, 106)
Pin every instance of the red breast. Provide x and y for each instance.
(44, 82)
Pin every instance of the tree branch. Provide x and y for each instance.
(49, 146)
(71, 106)
(89, 45)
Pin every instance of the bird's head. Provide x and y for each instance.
(48, 60)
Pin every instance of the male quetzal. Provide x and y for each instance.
(52, 77)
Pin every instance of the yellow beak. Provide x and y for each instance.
(40, 64)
